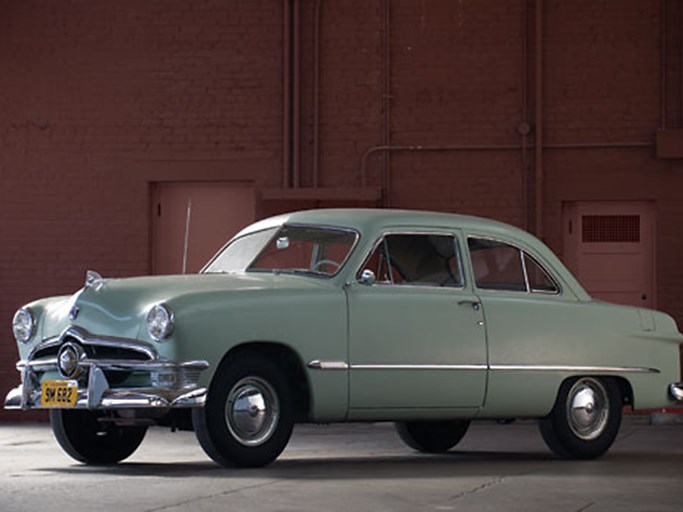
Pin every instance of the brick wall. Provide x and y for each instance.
(97, 99)
(100, 99)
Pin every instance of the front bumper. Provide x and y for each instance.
(103, 384)
(676, 391)
(171, 385)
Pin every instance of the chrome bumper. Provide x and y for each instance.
(676, 391)
(173, 385)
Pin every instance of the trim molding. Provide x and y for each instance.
(342, 365)
(327, 365)
(559, 368)
(419, 367)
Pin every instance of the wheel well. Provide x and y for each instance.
(624, 386)
(290, 363)
(626, 391)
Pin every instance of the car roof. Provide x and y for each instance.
(364, 219)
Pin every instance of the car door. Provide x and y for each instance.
(417, 338)
(529, 323)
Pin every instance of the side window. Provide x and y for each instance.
(496, 265)
(539, 280)
(500, 266)
(417, 259)
(378, 263)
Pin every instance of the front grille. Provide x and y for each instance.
(95, 347)
(92, 352)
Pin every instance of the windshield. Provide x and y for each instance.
(314, 250)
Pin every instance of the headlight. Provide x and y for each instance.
(24, 325)
(160, 321)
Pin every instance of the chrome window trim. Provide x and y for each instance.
(424, 231)
(279, 229)
(275, 228)
(526, 275)
(522, 252)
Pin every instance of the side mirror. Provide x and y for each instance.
(367, 277)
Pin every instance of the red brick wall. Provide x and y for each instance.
(100, 99)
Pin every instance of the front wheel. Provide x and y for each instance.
(248, 417)
(432, 436)
(86, 438)
(585, 419)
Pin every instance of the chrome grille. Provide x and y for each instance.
(95, 347)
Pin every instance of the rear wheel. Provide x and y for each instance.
(248, 417)
(85, 438)
(432, 436)
(585, 420)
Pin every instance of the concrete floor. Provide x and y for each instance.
(351, 468)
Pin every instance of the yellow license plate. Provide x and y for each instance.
(59, 393)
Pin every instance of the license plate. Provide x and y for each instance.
(59, 393)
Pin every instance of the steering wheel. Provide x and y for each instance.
(325, 262)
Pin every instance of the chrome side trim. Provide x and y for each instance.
(561, 368)
(341, 365)
(327, 365)
(419, 367)
(676, 391)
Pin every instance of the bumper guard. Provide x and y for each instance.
(676, 391)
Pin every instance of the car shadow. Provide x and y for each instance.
(413, 466)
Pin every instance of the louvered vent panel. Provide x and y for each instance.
(610, 229)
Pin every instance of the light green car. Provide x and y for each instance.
(425, 319)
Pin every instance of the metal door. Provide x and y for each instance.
(609, 245)
(192, 220)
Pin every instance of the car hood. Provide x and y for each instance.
(118, 307)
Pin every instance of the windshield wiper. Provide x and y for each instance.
(304, 272)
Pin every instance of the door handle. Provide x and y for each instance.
(476, 305)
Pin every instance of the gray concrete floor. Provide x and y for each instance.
(351, 468)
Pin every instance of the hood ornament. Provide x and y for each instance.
(93, 279)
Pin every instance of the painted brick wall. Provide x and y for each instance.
(445, 93)
(97, 99)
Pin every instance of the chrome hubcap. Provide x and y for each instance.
(252, 411)
(587, 409)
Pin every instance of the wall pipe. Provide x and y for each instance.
(386, 103)
(664, 58)
(489, 147)
(286, 94)
(316, 91)
(296, 95)
(524, 128)
(538, 167)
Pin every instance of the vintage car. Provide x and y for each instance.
(428, 320)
